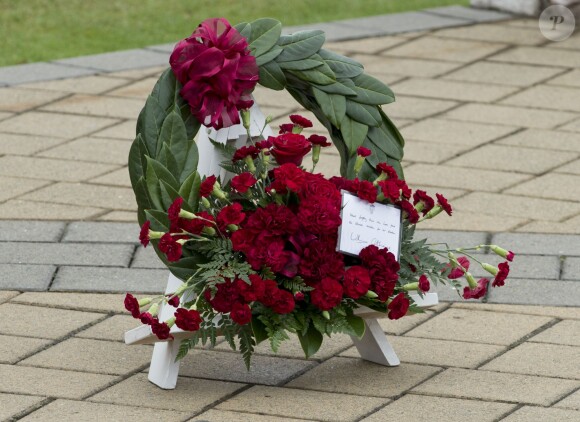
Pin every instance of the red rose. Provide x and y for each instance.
(254, 291)
(170, 247)
(458, 271)
(132, 305)
(246, 151)
(357, 282)
(301, 121)
(424, 285)
(290, 148)
(389, 171)
(144, 234)
(231, 214)
(504, 270)
(319, 216)
(327, 294)
(241, 313)
(478, 292)
(426, 200)
(367, 191)
(409, 212)
(242, 182)
(443, 203)
(319, 140)
(363, 152)
(161, 330)
(283, 302)
(288, 176)
(206, 187)
(217, 72)
(187, 319)
(398, 307)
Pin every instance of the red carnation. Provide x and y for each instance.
(170, 247)
(187, 319)
(320, 259)
(301, 121)
(241, 313)
(226, 295)
(246, 151)
(504, 270)
(478, 292)
(283, 302)
(270, 292)
(327, 294)
(424, 285)
(144, 234)
(363, 152)
(231, 214)
(161, 330)
(389, 171)
(206, 187)
(426, 200)
(405, 191)
(146, 318)
(319, 140)
(357, 282)
(286, 128)
(274, 220)
(195, 225)
(290, 148)
(367, 191)
(173, 301)
(319, 216)
(299, 296)
(132, 305)
(409, 212)
(242, 182)
(288, 176)
(443, 203)
(264, 144)
(510, 256)
(317, 187)
(398, 307)
(254, 291)
(174, 210)
(217, 72)
(459, 271)
(390, 189)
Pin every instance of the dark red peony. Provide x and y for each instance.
(398, 307)
(241, 313)
(187, 319)
(327, 294)
(242, 182)
(357, 281)
(217, 72)
(290, 148)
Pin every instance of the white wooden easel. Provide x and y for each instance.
(164, 369)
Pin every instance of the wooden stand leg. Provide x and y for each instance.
(374, 346)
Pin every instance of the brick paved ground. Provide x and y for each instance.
(491, 117)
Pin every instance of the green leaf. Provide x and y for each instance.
(300, 45)
(310, 342)
(259, 329)
(172, 133)
(244, 28)
(189, 191)
(337, 88)
(301, 64)
(363, 113)
(372, 91)
(357, 324)
(161, 172)
(149, 123)
(143, 199)
(166, 90)
(168, 194)
(333, 106)
(342, 66)
(353, 133)
(166, 158)
(321, 75)
(269, 56)
(159, 220)
(135, 164)
(271, 76)
(265, 34)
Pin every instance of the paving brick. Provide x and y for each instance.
(570, 402)
(13, 348)
(84, 231)
(571, 78)
(486, 385)
(26, 277)
(154, 71)
(455, 132)
(445, 49)
(525, 267)
(268, 97)
(140, 89)
(25, 145)
(230, 367)
(54, 124)
(571, 269)
(27, 210)
(499, 328)
(469, 13)
(34, 72)
(403, 325)
(356, 376)
(494, 33)
(449, 193)
(572, 226)
(115, 178)
(572, 43)
(551, 311)
(125, 131)
(4, 115)
(438, 352)
(538, 292)
(87, 301)
(39, 322)
(455, 239)
(510, 115)
(32, 231)
(417, 108)
(544, 139)
(86, 195)
(452, 90)
(114, 280)
(52, 169)
(431, 152)
(571, 168)
(6, 295)
(404, 66)
(119, 216)
(72, 411)
(51, 382)
(66, 254)
(119, 60)
(320, 406)
(214, 415)
(551, 97)
(573, 126)
(470, 221)
(13, 186)
(529, 413)
(462, 178)
(12, 404)
(329, 164)
(447, 409)
(112, 329)
(564, 332)
(541, 56)
(370, 45)
(94, 84)
(539, 244)
(17, 100)
(93, 105)
(97, 150)
(96, 356)
(548, 360)
(506, 158)
(137, 390)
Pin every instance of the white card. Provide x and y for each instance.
(365, 224)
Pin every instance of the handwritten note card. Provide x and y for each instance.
(365, 224)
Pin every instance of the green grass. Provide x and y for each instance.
(38, 30)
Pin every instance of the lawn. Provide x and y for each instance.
(39, 30)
